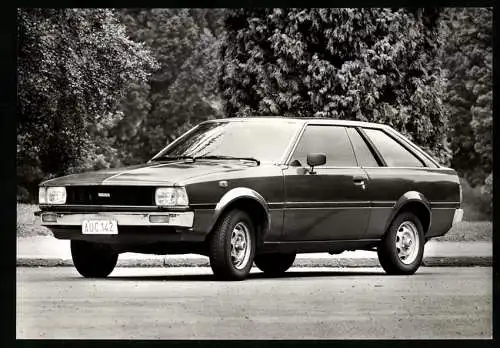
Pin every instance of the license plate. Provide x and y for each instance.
(99, 227)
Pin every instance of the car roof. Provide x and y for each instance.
(309, 120)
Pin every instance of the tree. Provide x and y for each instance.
(182, 92)
(74, 66)
(378, 65)
(467, 58)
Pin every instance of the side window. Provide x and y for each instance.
(331, 140)
(363, 154)
(393, 153)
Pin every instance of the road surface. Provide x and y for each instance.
(315, 303)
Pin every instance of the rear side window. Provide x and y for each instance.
(363, 154)
(330, 140)
(394, 154)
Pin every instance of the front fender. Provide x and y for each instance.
(237, 194)
(410, 196)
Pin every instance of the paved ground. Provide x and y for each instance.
(169, 303)
(49, 251)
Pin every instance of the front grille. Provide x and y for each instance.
(110, 195)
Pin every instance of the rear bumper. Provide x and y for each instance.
(457, 217)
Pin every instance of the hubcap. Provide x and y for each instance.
(407, 242)
(240, 245)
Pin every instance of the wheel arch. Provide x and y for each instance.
(416, 203)
(251, 202)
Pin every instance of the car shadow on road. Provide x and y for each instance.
(211, 277)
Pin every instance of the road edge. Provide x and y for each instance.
(458, 261)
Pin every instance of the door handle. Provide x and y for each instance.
(359, 181)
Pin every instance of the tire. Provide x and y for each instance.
(93, 260)
(232, 246)
(274, 264)
(402, 248)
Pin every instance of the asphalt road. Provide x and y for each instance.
(173, 303)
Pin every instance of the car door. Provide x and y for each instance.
(330, 204)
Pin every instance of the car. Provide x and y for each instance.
(260, 190)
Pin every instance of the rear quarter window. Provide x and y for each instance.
(394, 154)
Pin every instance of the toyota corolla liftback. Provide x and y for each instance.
(263, 189)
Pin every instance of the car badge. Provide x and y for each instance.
(104, 194)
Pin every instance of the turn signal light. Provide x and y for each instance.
(159, 219)
(49, 217)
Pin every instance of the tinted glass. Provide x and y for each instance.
(263, 140)
(363, 154)
(330, 140)
(393, 153)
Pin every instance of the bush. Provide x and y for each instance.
(476, 204)
(28, 225)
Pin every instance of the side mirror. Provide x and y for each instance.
(315, 159)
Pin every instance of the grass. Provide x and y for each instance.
(469, 231)
(28, 225)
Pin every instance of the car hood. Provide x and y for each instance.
(150, 174)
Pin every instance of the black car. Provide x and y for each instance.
(260, 189)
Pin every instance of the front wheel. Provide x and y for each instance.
(274, 264)
(93, 260)
(402, 249)
(232, 246)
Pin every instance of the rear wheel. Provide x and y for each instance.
(232, 246)
(274, 264)
(93, 260)
(402, 249)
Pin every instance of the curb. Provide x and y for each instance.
(455, 261)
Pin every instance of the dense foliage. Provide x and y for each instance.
(100, 88)
(378, 65)
(467, 58)
(74, 66)
(182, 92)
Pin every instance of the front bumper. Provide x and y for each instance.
(134, 228)
(174, 219)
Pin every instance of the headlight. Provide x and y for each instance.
(42, 195)
(171, 196)
(56, 195)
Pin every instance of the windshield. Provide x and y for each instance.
(264, 141)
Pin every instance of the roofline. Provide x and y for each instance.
(308, 120)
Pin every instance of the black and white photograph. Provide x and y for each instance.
(254, 173)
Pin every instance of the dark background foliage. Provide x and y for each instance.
(100, 88)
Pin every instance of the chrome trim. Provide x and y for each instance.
(458, 216)
(389, 167)
(285, 159)
(237, 193)
(325, 208)
(296, 143)
(407, 242)
(241, 244)
(177, 219)
(326, 202)
(332, 167)
(240, 192)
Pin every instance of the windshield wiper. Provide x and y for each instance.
(229, 158)
(173, 158)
